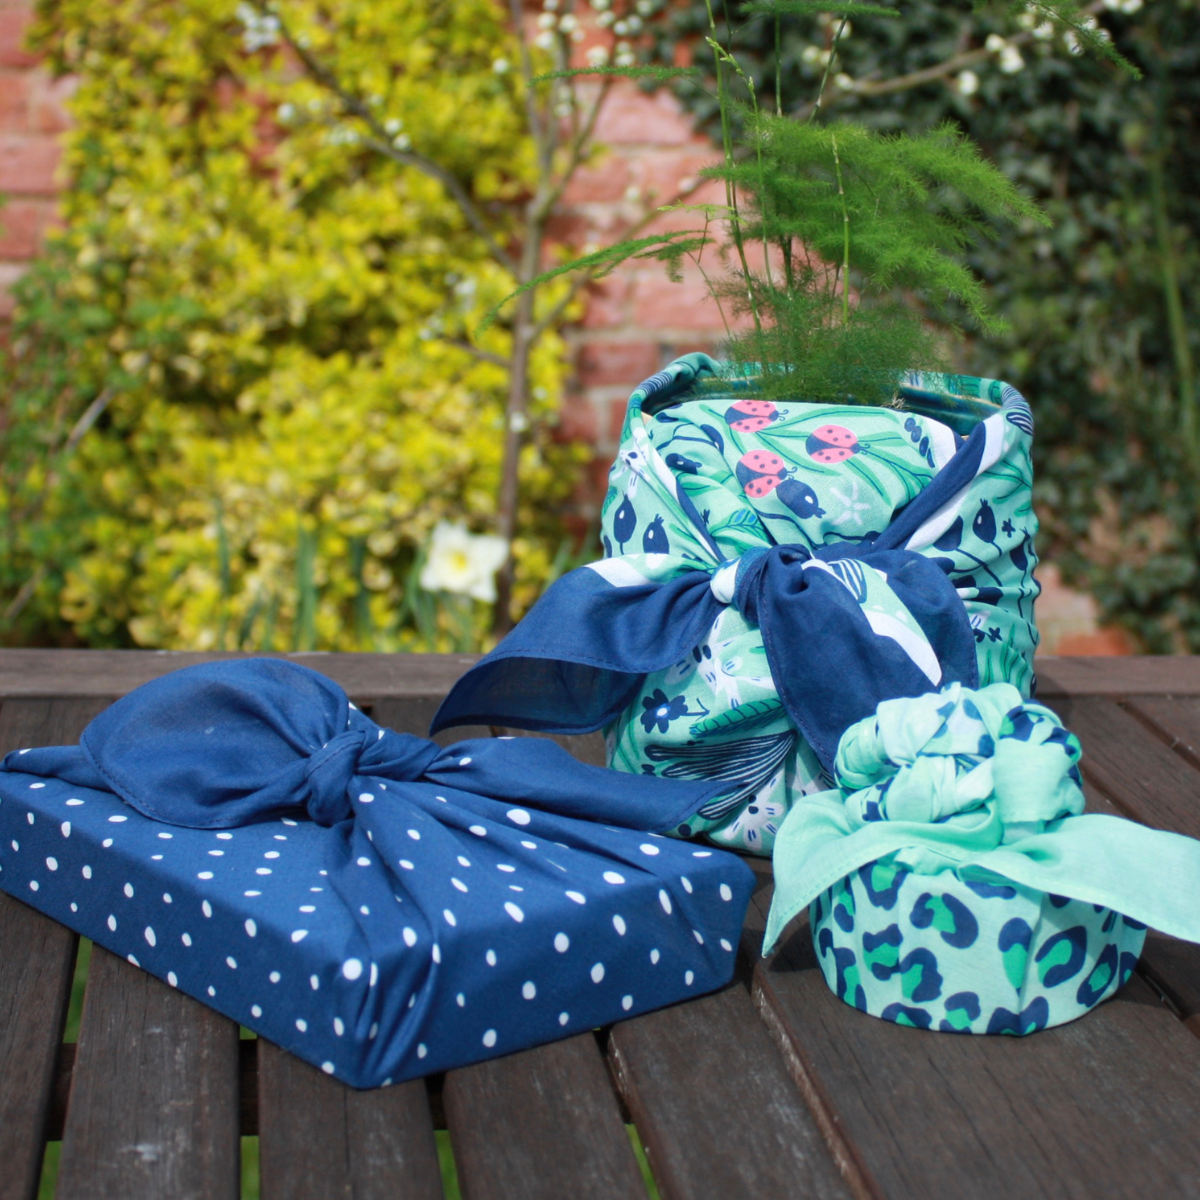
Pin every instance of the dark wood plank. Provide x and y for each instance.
(1132, 767)
(1175, 719)
(713, 1101)
(37, 957)
(319, 1139)
(366, 677)
(154, 1099)
(46, 722)
(543, 1124)
(1135, 674)
(1101, 1108)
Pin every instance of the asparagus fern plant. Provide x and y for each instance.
(832, 235)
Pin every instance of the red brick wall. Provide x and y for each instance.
(32, 115)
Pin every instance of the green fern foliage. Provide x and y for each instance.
(857, 230)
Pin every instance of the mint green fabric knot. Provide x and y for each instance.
(957, 751)
(985, 785)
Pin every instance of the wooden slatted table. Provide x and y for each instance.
(771, 1088)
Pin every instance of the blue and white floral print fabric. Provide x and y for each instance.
(954, 883)
(772, 574)
(377, 905)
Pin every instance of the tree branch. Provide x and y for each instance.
(949, 66)
(588, 275)
(487, 356)
(381, 143)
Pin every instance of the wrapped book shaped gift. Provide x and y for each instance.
(829, 610)
(380, 906)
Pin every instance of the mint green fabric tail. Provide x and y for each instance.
(1146, 874)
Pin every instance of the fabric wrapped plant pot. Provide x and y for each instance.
(951, 881)
(713, 473)
(771, 573)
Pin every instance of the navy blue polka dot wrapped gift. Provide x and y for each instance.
(377, 905)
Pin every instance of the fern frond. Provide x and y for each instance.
(666, 248)
(810, 8)
(653, 73)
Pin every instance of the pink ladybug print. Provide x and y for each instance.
(760, 472)
(832, 444)
(749, 416)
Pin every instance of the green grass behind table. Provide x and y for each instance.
(250, 1189)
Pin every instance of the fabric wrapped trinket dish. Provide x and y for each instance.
(379, 906)
(953, 881)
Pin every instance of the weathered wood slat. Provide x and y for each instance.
(154, 1099)
(542, 1124)
(37, 957)
(712, 1099)
(114, 672)
(1176, 719)
(1070, 1112)
(320, 1140)
(29, 722)
(1132, 767)
(1137, 674)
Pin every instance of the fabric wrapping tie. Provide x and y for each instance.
(380, 906)
(843, 627)
(953, 881)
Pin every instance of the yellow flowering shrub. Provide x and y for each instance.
(273, 318)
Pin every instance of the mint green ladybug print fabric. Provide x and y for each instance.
(707, 472)
(954, 883)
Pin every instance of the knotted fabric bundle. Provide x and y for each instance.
(378, 905)
(773, 573)
(954, 883)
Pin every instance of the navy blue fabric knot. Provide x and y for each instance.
(384, 753)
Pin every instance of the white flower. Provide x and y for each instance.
(1044, 31)
(605, 19)
(546, 21)
(844, 81)
(1010, 60)
(646, 8)
(634, 22)
(286, 113)
(545, 40)
(597, 56)
(568, 22)
(463, 563)
(601, 5)
(621, 28)
(994, 44)
(968, 83)
(500, 66)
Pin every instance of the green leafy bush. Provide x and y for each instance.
(265, 323)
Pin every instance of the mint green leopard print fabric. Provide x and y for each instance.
(948, 839)
(755, 474)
